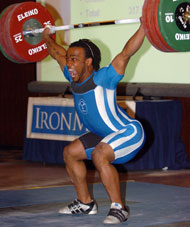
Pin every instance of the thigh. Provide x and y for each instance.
(127, 142)
(89, 141)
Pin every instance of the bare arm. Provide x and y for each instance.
(56, 51)
(131, 47)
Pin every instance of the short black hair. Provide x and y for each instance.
(91, 51)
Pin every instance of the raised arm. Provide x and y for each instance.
(131, 47)
(56, 51)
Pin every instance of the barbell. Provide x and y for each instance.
(166, 24)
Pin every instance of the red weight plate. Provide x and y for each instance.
(3, 36)
(146, 21)
(150, 9)
(9, 47)
(145, 16)
(17, 18)
(157, 29)
(155, 37)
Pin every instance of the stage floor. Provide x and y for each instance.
(18, 175)
(30, 180)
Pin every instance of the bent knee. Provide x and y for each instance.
(102, 153)
(96, 155)
(70, 153)
(74, 151)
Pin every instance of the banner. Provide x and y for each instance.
(55, 118)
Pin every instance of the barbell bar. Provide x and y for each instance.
(53, 29)
(166, 24)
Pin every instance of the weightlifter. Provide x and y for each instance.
(113, 137)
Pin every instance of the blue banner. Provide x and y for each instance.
(53, 118)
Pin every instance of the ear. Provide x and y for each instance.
(89, 61)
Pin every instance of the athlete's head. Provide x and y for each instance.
(82, 58)
(91, 51)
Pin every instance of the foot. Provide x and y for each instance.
(116, 214)
(77, 207)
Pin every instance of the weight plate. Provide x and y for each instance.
(3, 37)
(147, 23)
(156, 42)
(145, 20)
(158, 36)
(148, 15)
(28, 15)
(10, 49)
(169, 17)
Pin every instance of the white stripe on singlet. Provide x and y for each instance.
(124, 139)
(125, 115)
(110, 98)
(99, 96)
(127, 150)
(112, 135)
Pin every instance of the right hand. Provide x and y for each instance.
(48, 31)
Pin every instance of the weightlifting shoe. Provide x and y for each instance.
(116, 214)
(77, 207)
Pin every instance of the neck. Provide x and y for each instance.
(85, 75)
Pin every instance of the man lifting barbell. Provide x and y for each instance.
(114, 137)
(166, 24)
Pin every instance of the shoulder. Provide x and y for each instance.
(106, 75)
(104, 71)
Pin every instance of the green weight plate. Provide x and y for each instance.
(169, 13)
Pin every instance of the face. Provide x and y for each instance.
(77, 64)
